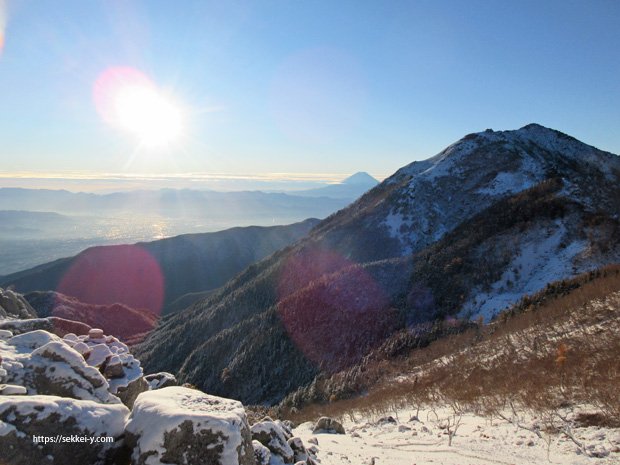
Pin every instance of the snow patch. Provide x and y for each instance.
(542, 258)
(507, 182)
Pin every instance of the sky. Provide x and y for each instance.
(283, 90)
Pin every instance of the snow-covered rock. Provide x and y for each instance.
(112, 357)
(98, 354)
(261, 453)
(57, 369)
(273, 436)
(182, 425)
(12, 390)
(161, 380)
(300, 454)
(24, 418)
(52, 324)
(33, 339)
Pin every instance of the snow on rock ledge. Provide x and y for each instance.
(52, 324)
(186, 426)
(22, 417)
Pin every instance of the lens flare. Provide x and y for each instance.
(126, 274)
(3, 20)
(127, 99)
(333, 309)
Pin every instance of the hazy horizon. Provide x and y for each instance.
(103, 183)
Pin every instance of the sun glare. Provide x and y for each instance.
(130, 101)
(148, 114)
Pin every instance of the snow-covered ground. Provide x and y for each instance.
(478, 441)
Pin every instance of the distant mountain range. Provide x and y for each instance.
(188, 202)
(38, 226)
(154, 274)
(493, 217)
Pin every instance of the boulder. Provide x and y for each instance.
(271, 435)
(99, 355)
(285, 426)
(12, 390)
(57, 369)
(186, 426)
(161, 380)
(128, 394)
(262, 455)
(328, 425)
(300, 452)
(49, 418)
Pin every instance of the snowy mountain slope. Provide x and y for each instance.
(438, 238)
(422, 201)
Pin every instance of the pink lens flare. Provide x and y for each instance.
(333, 309)
(125, 274)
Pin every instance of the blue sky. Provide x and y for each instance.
(323, 88)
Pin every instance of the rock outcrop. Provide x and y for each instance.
(182, 425)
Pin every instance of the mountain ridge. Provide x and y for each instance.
(360, 264)
(207, 260)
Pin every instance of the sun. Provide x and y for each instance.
(127, 99)
(147, 113)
